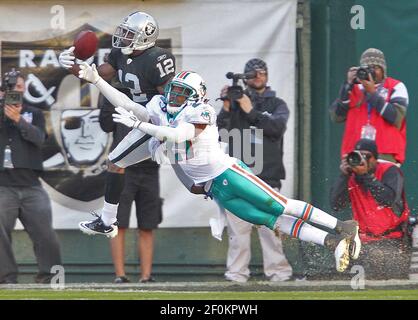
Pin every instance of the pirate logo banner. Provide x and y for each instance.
(76, 148)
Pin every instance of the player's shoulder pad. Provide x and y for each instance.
(201, 113)
(157, 103)
(115, 51)
(158, 54)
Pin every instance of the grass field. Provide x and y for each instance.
(169, 295)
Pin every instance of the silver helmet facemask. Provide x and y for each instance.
(138, 31)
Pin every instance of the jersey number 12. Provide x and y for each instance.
(165, 67)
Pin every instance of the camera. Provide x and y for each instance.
(363, 73)
(8, 82)
(236, 91)
(355, 158)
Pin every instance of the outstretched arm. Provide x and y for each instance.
(115, 97)
(186, 180)
(184, 131)
(67, 60)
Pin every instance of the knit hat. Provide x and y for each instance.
(255, 64)
(368, 145)
(374, 56)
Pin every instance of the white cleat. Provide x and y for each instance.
(342, 255)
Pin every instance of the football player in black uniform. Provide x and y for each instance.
(145, 69)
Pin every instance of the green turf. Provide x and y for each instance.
(155, 295)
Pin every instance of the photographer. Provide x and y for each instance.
(22, 133)
(375, 191)
(373, 106)
(258, 108)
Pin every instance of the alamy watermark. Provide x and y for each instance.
(247, 146)
(358, 21)
(358, 281)
(58, 280)
(58, 19)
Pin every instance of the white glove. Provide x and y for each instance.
(158, 151)
(125, 117)
(66, 58)
(89, 73)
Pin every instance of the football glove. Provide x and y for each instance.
(89, 73)
(126, 118)
(66, 58)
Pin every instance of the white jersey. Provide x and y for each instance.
(201, 158)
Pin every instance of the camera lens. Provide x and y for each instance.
(362, 74)
(354, 159)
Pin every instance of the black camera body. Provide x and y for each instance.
(8, 82)
(355, 158)
(363, 73)
(236, 91)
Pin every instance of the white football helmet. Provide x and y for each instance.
(186, 84)
(138, 31)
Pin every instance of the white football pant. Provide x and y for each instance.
(131, 150)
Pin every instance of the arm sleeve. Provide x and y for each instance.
(111, 59)
(387, 192)
(163, 69)
(185, 131)
(394, 110)
(119, 99)
(182, 176)
(339, 108)
(273, 125)
(339, 197)
(33, 132)
(202, 114)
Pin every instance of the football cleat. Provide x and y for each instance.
(342, 255)
(97, 226)
(350, 229)
(355, 245)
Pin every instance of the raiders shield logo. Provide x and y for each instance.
(150, 29)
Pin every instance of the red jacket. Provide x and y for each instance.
(389, 139)
(373, 218)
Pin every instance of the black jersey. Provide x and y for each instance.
(142, 74)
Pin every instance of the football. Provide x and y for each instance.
(85, 44)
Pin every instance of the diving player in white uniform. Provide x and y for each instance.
(185, 125)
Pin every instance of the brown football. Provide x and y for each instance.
(85, 44)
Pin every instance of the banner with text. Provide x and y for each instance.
(219, 37)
